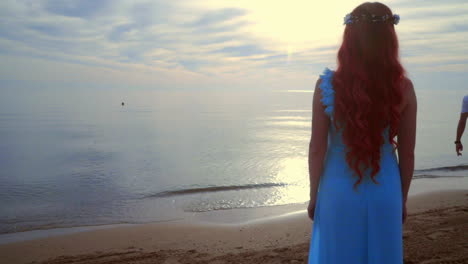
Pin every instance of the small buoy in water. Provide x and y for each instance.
(123, 103)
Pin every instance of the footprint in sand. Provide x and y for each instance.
(440, 233)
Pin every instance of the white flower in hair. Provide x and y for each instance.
(371, 18)
(348, 19)
(396, 19)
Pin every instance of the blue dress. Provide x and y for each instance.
(355, 226)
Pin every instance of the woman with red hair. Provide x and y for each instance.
(358, 186)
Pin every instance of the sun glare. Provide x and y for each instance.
(292, 26)
(294, 171)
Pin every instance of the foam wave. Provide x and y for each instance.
(438, 172)
(214, 189)
(448, 168)
(429, 176)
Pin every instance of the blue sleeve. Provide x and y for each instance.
(328, 94)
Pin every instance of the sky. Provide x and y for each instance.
(212, 44)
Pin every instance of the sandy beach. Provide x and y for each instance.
(435, 232)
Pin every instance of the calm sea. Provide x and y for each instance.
(81, 158)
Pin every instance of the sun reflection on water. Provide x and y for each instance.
(293, 170)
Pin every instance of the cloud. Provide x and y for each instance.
(118, 32)
(77, 8)
(218, 16)
(193, 65)
(433, 4)
(218, 40)
(231, 27)
(51, 30)
(151, 13)
(243, 50)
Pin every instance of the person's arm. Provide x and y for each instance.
(318, 142)
(461, 127)
(407, 140)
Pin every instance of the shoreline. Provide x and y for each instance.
(222, 218)
(228, 217)
(231, 216)
(205, 238)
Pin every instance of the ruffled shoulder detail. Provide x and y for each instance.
(328, 94)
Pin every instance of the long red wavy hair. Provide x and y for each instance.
(368, 89)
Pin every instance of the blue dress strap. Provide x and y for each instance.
(328, 94)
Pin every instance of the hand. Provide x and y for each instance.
(459, 148)
(311, 209)
(405, 214)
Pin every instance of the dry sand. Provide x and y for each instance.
(435, 232)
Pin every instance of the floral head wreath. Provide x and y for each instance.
(351, 19)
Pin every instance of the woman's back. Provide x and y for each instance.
(361, 114)
(359, 222)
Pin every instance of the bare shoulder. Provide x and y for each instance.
(317, 90)
(317, 83)
(408, 88)
(409, 95)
